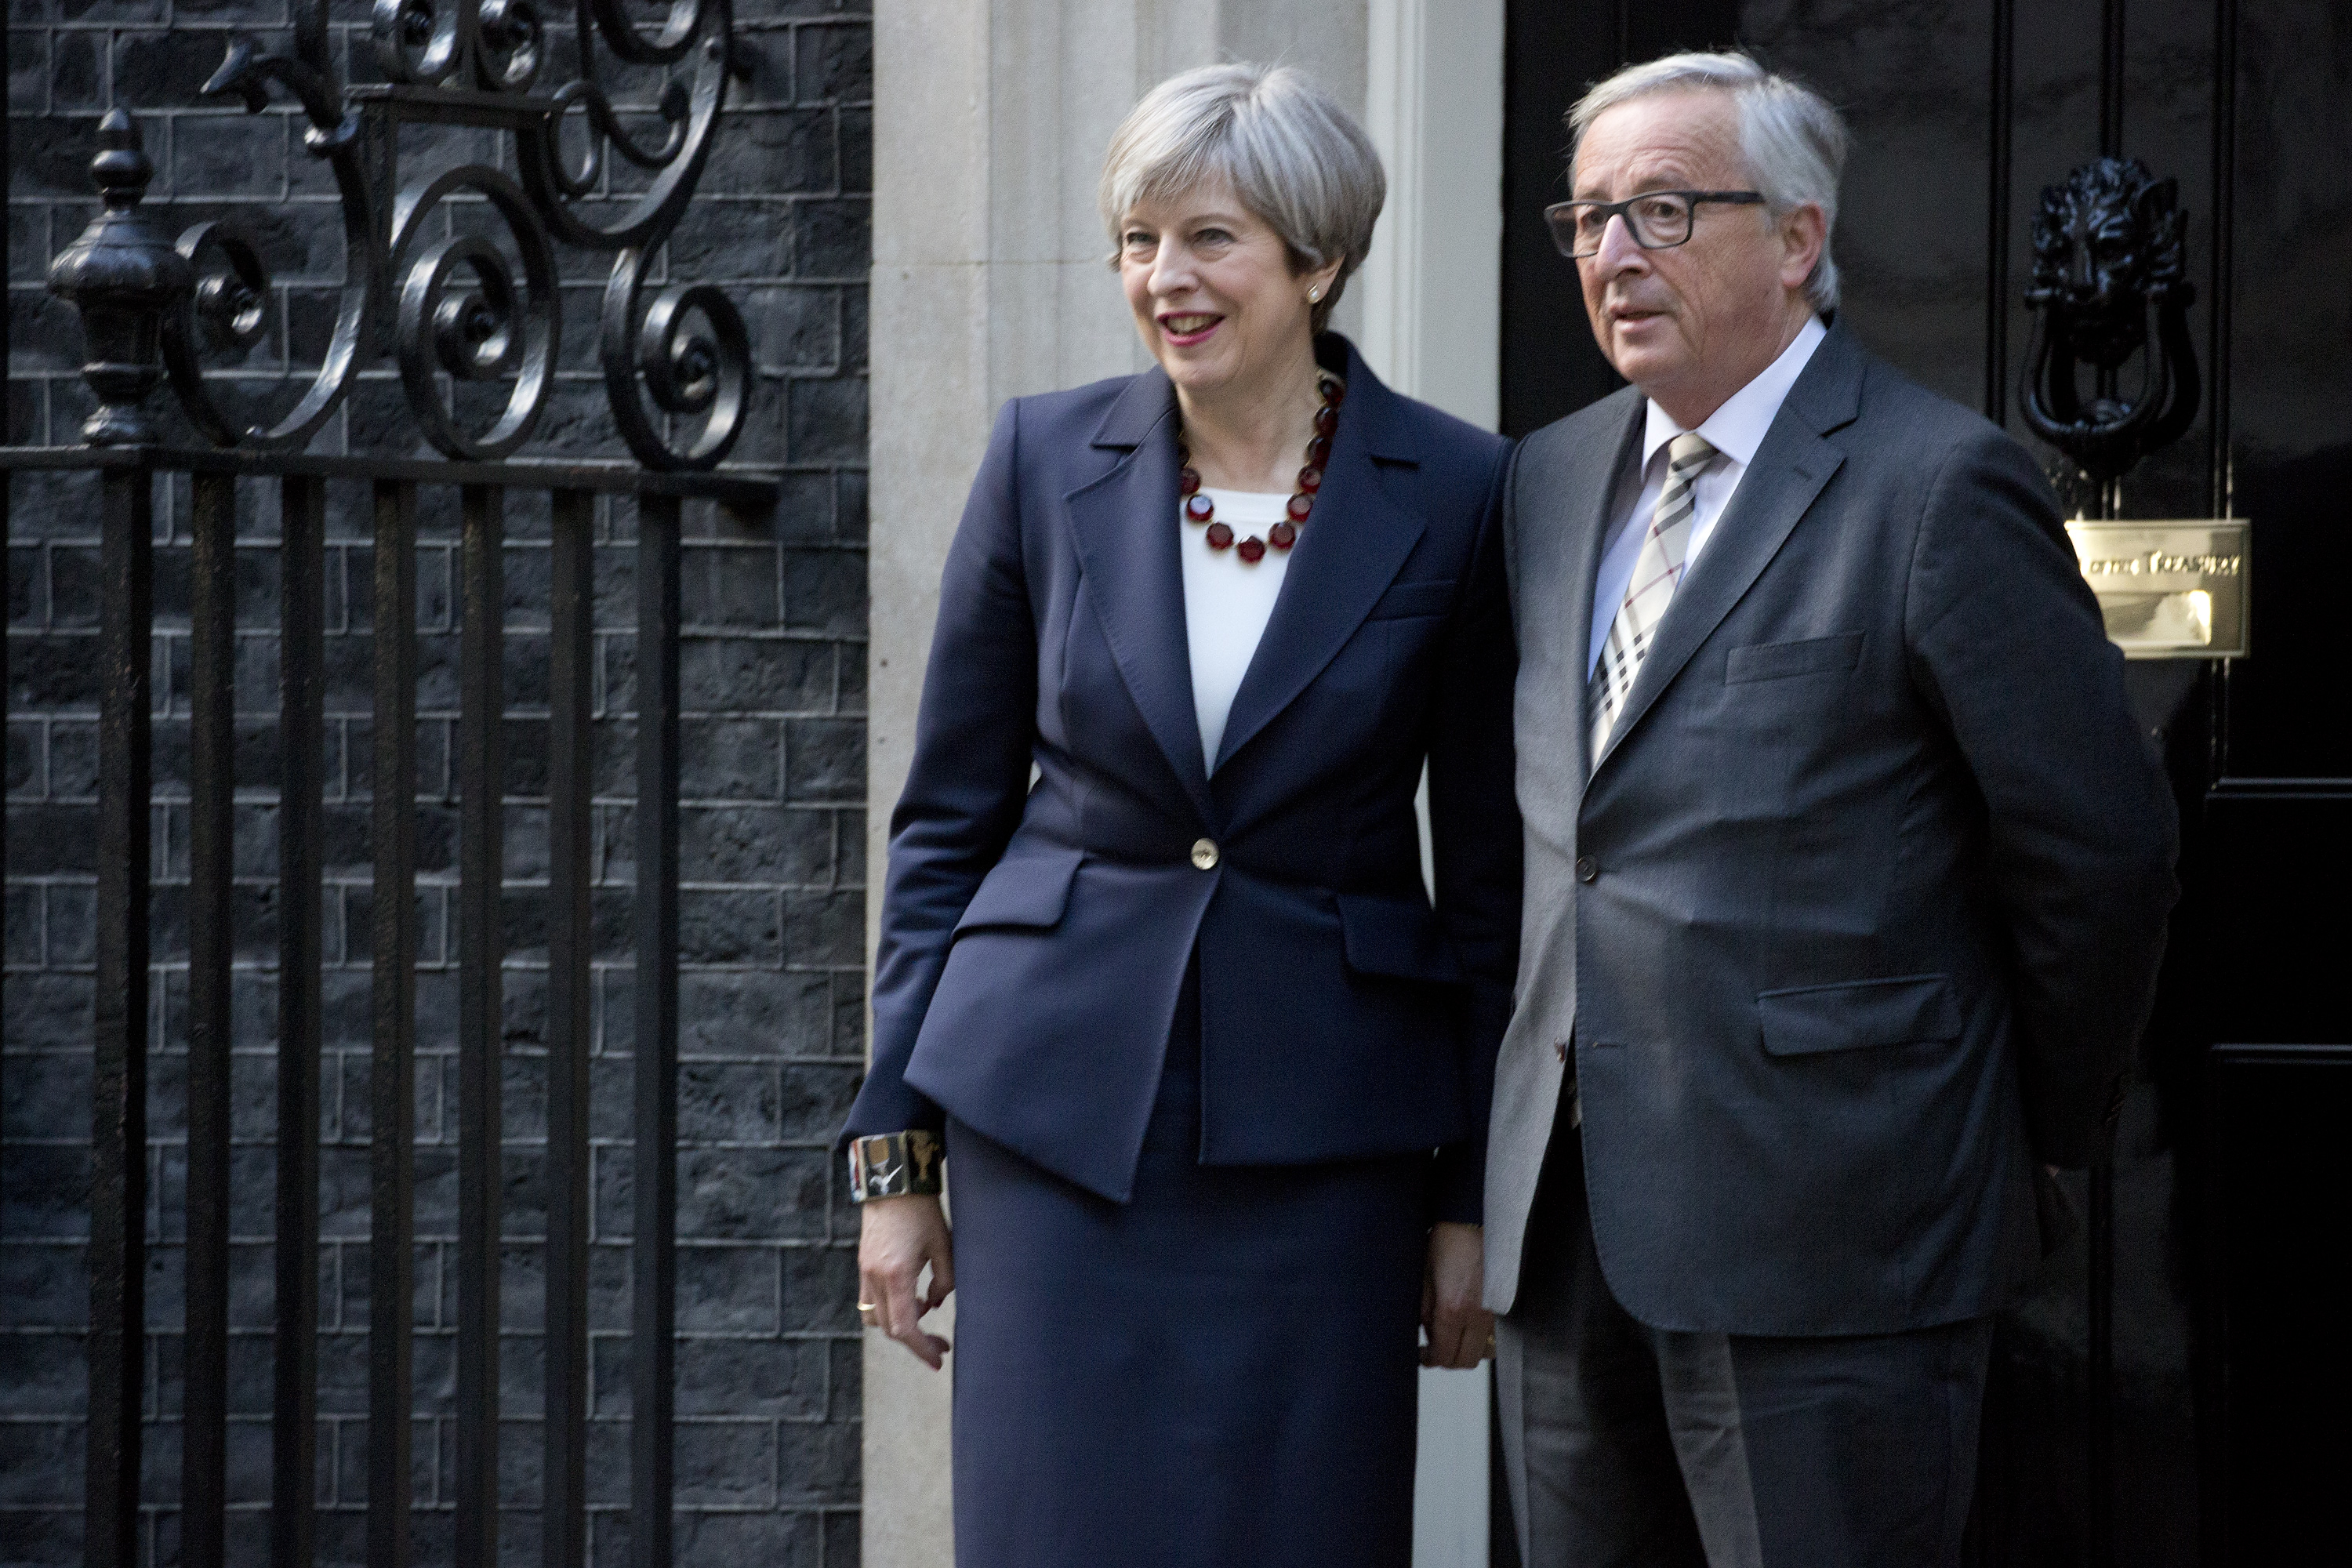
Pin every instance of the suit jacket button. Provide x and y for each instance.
(1588, 870)
(1204, 854)
(1560, 1050)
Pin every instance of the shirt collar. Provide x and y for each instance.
(1738, 428)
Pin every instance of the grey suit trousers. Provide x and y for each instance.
(1627, 1445)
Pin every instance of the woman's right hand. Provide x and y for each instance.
(896, 1236)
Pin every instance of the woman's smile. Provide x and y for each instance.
(1183, 329)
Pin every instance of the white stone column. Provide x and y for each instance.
(1431, 295)
(990, 281)
(1431, 291)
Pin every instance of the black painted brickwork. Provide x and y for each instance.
(773, 677)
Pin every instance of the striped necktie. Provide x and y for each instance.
(1656, 571)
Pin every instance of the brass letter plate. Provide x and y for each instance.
(2168, 590)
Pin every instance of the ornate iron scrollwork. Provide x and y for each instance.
(2109, 284)
(452, 307)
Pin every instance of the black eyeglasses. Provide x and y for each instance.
(1658, 220)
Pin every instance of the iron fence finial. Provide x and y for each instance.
(121, 276)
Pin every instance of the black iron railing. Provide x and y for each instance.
(472, 322)
(119, 1200)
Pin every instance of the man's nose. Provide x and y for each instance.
(1619, 249)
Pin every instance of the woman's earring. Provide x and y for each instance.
(1315, 294)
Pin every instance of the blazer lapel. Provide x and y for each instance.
(1363, 527)
(1790, 469)
(1125, 527)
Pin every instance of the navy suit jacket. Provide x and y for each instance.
(1034, 936)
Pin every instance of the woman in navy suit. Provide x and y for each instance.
(1157, 971)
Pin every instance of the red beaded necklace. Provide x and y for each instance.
(1199, 507)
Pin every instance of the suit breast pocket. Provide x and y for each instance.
(1786, 660)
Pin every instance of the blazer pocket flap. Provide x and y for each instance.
(1031, 891)
(1776, 661)
(1810, 1019)
(1403, 599)
(1396, 937)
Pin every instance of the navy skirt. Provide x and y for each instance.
(1220, 1373)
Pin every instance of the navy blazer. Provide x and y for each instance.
(1034, 936)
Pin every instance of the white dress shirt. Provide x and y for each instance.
(1227, 602)
(1735, 431)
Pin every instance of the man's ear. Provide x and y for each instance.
(1804, 234)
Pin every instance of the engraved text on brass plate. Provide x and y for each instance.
(2168, 590)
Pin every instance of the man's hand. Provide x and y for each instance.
(1459, 1330)
(896, 1236)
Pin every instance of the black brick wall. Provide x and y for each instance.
(773, 683)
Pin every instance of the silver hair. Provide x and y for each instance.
(1794, 140)
(1293, 155)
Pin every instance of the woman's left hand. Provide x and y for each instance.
(1460, 1331)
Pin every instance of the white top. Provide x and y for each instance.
(1735, 431)
(1227, 602)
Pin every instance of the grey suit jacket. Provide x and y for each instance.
(1860, 911)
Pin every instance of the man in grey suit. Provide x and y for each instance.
(1847, 874)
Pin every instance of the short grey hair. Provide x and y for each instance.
(1293, 157)
(1794, 140)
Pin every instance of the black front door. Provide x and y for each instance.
(2177, 1390)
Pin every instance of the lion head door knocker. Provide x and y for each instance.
(2108, 286)
(2108, 289)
